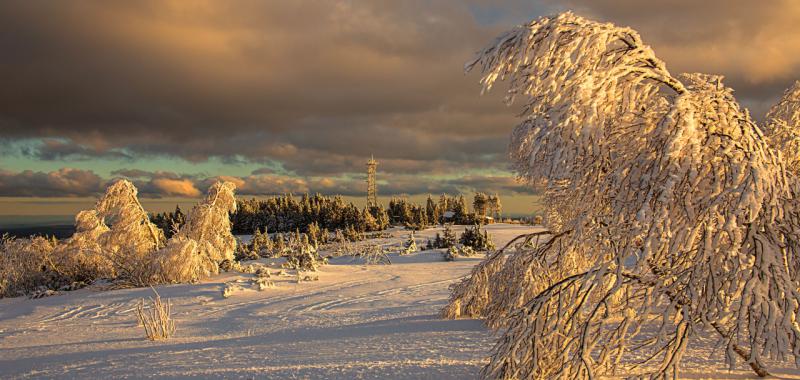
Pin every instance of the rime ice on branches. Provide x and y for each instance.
(672, 215)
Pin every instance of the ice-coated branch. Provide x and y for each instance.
(678, 216)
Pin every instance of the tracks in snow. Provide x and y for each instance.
(370, 297)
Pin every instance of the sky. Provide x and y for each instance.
(294, 96)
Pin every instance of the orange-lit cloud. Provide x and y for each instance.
(176, 187)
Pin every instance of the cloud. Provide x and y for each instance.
(69, 182)
(309, 90)
(60, 149)
(65, 182)
(175, 187)
(133, 173)
(254, 80)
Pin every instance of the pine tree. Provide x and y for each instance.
(370, 224)
(480, 204)
(314, 234)
(432, 211)
(474, 238)
(278, 245)
(460, 213)
(261, 244)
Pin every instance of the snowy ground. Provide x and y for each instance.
(357, 321)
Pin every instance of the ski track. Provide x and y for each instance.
(337, 303)
(90, 312)
(279, 299)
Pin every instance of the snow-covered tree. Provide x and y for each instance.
(131, 239)
(668, 210)
(204, 241)
(261, 243)
(303, 256)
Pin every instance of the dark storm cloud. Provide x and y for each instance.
(311, 89)
(260, 79)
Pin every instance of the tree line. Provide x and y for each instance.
(287, 213)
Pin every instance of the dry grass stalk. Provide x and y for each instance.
(157, 321)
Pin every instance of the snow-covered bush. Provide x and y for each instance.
(410, 245)
(204, 242)
(81, 257)
(303, 256)
(450, 254)
(244, 252)
(116, 240)
(263, 279)
(466, 251)
(673, 216)
(374, 254)
(122, 252)
(26, 266)
(279, 247)
(351, 234)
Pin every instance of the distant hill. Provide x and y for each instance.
(27, 225)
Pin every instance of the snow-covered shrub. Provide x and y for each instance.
(303, 256)
(263, 279)
(315, 235)
(670, 210)
(374, 254)
(344, 248)
(306, 277)
(229, 289)
(411, 245)
(157, 321)
(450, 254)
(81, 257)
(477, 240)
(243, 251)
(26, 266)
(351, 234)
(204, 242)
(279, 248)
(466, 251)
